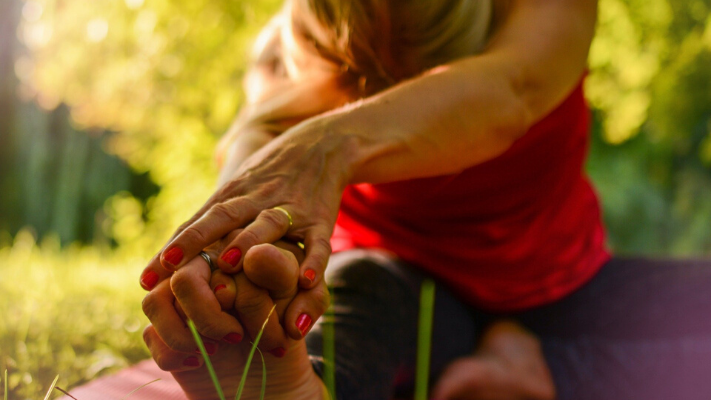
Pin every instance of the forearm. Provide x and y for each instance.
(437, 124)
(472, 110)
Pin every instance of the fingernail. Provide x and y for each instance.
(149, 280)
(191, 362)
(210, 348)
(173, 256)
(233, 337)
(232, 256)
(310, 274)
(303, 323)
(279, 352)
(219, 287)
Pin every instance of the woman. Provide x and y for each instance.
(442, 139)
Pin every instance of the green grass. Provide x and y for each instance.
(206, 357)
(329, 353)
(424, 339)
(74, 312)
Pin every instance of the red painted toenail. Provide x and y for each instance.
(191, 362)
(233, 337)
(279, 352)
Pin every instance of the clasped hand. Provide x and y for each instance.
(229, 310)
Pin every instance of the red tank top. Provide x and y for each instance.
(515, 232)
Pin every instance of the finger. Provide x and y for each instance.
(292, 248)
(153, 274)
(218, 221)
(269, 226)
(166, 358)
(223, 286)
(253, 305)
(191, 288)
(273, 269)
(318, 250)
(180, 311)
(158, 307)
(210, 345)
(305, 309)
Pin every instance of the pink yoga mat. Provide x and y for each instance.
(116, 386)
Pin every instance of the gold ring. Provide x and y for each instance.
(291, 221)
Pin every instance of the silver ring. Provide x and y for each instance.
(208, 260)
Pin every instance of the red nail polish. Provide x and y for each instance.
(279, 352)
(303, 323)
(232, 256)
(233, 337)
(210, 348)
(310, 274)
(219, 287)
(173, 256)
(149, 280)
(191, 362)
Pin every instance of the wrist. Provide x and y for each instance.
(340, 146)
(365, 133)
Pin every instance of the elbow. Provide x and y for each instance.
(515, 118)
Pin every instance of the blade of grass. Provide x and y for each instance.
(138, 388)
(424, 339)
(206, 357)
(51, 387)
(65, 393)
(329, 353)
(264, 376)
(251, 354)
(5, 395)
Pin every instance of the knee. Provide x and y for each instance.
(369, 272)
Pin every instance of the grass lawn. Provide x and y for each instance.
(74, 312)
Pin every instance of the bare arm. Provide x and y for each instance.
(472, 110)
(276, 99)
(442, 122)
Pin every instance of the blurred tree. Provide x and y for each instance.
(53, 178)
(166, 75)
(650, 82)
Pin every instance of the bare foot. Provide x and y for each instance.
(290, 377)
(508, 365)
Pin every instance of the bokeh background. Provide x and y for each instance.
(110, 110)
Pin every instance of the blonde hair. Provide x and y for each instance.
(359, 47)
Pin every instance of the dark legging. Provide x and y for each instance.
(641, 329)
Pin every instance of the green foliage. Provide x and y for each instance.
(651, 86)
(165, 74)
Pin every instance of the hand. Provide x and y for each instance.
(171, 343)
(268, 278)
(303, 171)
